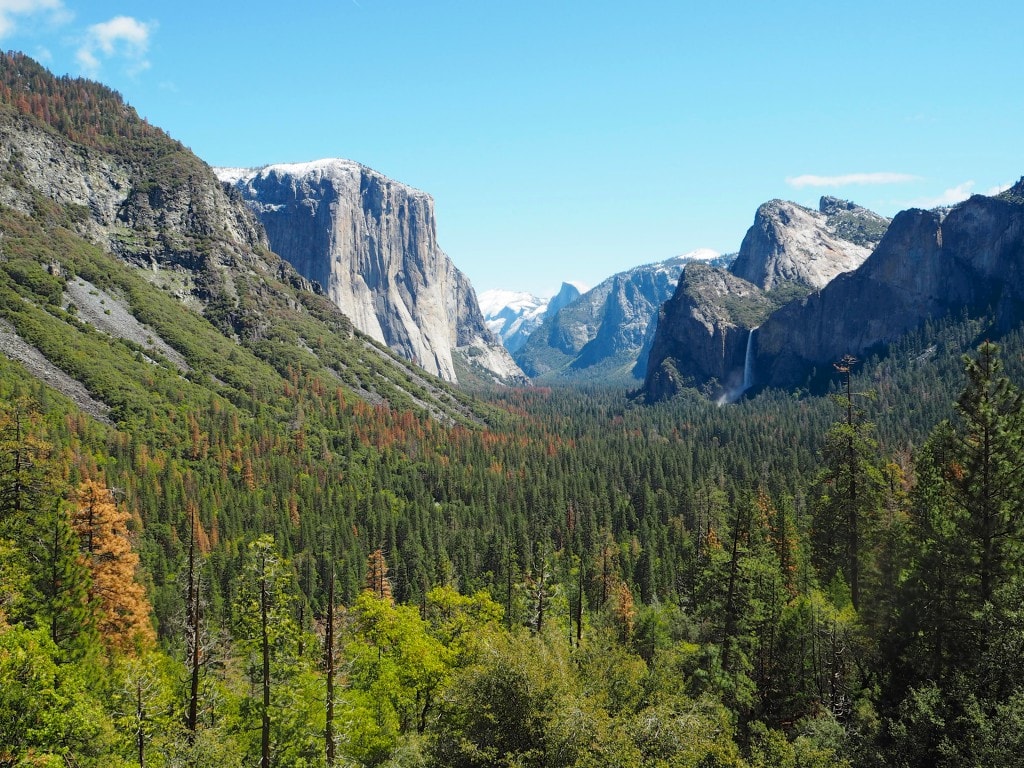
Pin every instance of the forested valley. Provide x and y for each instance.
(255, 538)
(792, 580)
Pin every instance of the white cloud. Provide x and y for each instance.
(811, 180)
(121, 36)
(998, 189)
(9, 9)
(951, 196)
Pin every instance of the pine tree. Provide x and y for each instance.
(62, 581)
(955, 646)
(266, 629)
(119, 601)
(25, 482)
(850, 492)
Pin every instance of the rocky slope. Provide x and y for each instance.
(513, 315)
(603, 334)
(703, 332)
(930, 264)
(789, 251)
(371, 243)
(119, 246)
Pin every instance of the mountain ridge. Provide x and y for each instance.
(118, 205)
(605, 334)
(705, 331)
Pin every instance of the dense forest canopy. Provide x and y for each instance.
(239, 561)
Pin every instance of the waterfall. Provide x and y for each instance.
(748, 362)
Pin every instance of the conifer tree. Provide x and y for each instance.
(849, 492)
(266, 629)
(24, 482)
(969, 522)
(120, 603)
(62, 581)
(953, 656)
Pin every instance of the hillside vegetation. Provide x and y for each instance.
(274, 544)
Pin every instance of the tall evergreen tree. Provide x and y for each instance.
(954, 657)
(850, 492)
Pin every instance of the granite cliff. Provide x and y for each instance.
(790, 243)
(702, 334)
(930, 264)
(371, 243)
(124, 261)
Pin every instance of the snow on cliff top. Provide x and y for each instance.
(329, 167)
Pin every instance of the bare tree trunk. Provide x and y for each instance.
(140, 718)
(579, 605)
(192, 630)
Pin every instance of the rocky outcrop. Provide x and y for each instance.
(702, 334)
(121, 216)
(929, 264)
(791, 244)
(606, 333)
(371, 243)
(173, 218)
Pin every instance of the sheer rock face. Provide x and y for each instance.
(702, 334)
(930, 263)
(371, 244)
(790, 243)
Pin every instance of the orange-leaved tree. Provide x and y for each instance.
(119, 601)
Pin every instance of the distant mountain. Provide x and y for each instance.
(513, 315)
(371, 243)
(704, 333)
(605, 334)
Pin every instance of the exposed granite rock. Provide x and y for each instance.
(371, 243)
(929, 264)
(702, 334)
(790, 243)
(603, 334)
(514, 315)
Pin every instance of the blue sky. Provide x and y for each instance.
(571, 140)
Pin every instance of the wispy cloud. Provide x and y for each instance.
(848, 179)
(998, 188)
(11, 9)
(122, 36)
(951, 196)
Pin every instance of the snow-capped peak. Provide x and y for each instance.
(492, 302)
(701, 254)
(513, 315)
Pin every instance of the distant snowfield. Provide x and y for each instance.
(522, 303)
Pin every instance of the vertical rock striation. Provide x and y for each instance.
(371, 244)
